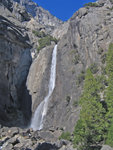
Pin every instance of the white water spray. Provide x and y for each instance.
(41, 111)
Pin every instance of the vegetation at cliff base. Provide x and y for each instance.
(65, 136)
(95, 125)
(89, 131)
(109, 95)
(94, 68)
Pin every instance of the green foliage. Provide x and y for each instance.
(45, 41)
(109, 94)
(91, 4)
(65, 136)
(109, 70)
(109, 140)
(79, 134)
(39, 34)
(101, 82)
(94, 68)
(95, 125)
(89, 130)
(109, 61)
(103, 70)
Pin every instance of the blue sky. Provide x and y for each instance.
(62, 9)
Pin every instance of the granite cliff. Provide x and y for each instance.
(25, 29)
(89, 31)
(16, 48)
(15, 60)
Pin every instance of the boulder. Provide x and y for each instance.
(106, 147)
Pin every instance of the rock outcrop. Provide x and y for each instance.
(61, 30)
(41, 15)
(35, 18)
(20, 12)
(106, 147)
(38, 78)
(15, 60)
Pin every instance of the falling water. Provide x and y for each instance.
(41, 111)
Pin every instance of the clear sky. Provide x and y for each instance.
(62, 9)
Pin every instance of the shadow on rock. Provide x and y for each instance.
(47, 146)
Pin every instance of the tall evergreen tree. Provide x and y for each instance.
(109, 95)
(89, 131)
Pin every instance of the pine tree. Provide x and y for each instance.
(89, 131)
(109, 95)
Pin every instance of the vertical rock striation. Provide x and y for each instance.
(15, 60)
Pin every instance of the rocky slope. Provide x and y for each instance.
(18, 139)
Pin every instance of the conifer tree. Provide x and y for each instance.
(109, 95)
(89, 131)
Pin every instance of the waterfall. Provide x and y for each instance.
(41, 110)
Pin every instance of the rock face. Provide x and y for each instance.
(20, 12)
(59, 31)
(24, 16)
(106, 147)
(35, 18)
(15, 60)
(38, 78)
(7, 4)
(89, 32)
(41, 15)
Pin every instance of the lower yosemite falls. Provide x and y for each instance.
(40, 112)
